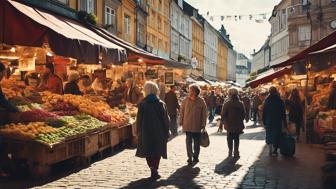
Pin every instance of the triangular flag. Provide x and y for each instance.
(208, 13)
(251, 17)
(222, 18)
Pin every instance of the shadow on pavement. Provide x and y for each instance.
(58, 171)
(227, 166)
(182, 178)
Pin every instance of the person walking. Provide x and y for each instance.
(233, 114)
(152, 129)
(247, 104)
(172, 107)
(193, 118)
(274, 118)
(211, 103)
(295, 113)
(255, 108)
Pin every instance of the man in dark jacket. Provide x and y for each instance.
(172, 107)
(247, 105)
(255, 105)
(211, 103)
(274, 118)
(233, 114)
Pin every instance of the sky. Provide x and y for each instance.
(245, 34)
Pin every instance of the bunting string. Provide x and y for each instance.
(258, 18)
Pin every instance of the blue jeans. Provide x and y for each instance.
(211, 114)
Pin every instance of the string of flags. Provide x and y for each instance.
(258, 18)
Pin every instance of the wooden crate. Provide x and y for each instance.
(114, 137)
(91, 144)
(125, 133)
(104, 140)
(76, 147)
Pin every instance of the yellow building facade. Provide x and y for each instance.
(125, 15)
(158, 27)
(198, 45)
(222, 57)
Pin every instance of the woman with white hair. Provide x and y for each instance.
(72, 86)
(233, 114)
(153, 128)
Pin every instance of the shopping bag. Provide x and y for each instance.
(205, 141)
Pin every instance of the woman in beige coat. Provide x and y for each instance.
(193, 120)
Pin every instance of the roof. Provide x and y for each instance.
(268, 76)
(225, 37)
(65, 36)
(326, 42)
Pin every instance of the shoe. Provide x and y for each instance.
(189, 161)
(275, 153)
(236, 155)
(155, 175)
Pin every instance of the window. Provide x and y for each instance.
(283, 23)
(110, 16)
(160, 5)
(160, 45)
(141, 32)
(159, 23)
(304, 33)
(304, 2)
(127, 26)
(88, 6)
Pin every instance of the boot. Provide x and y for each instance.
(236, 154)
(230, 153)
(270, 147)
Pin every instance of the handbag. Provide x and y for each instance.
(205, 141)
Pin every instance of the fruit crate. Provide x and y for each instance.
(91, 144)
(114, 137)
(104, 140)
(125, 133)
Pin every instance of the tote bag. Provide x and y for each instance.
(205, 141)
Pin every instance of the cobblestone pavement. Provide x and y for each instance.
(254, 170)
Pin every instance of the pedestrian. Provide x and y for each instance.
(295, 113)
(172, 106)
(152, 129)
(274, 119)
(72, 86)
(211, 103)
(50, 81)
(233, 114)
(255, 108)
(162, 87)
(193, 118)
(247, 105)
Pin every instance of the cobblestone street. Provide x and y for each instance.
(254, 170)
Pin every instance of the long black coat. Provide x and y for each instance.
(152, 127)
(274, 118)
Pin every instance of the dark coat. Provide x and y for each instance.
(72, 88)
(274, 118)
(295, 113)
(172, 103)
(152, 127)
(5, 104)
(211, 101)
(233, 114)
(247, 105)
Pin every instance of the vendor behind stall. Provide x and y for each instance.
(133, 93)
(50, 81)
(72, 86)
(85, 85)
(332, 96)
